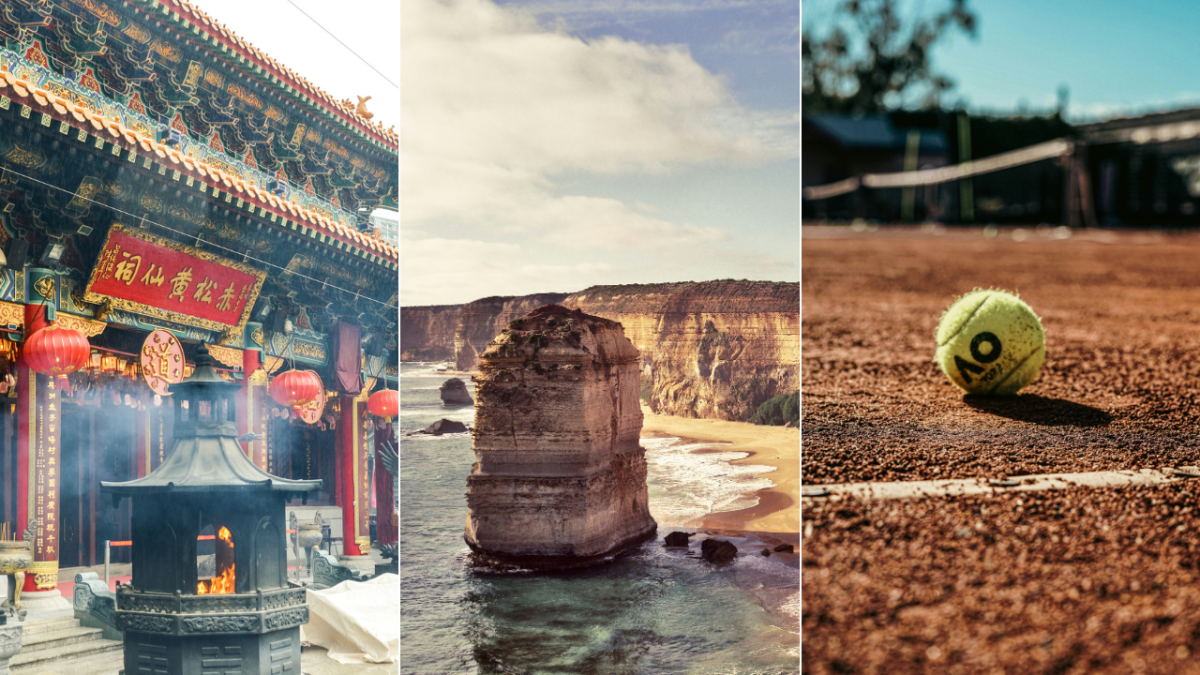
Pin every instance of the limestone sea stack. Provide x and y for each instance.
(560, 476)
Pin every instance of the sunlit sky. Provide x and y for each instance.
(551, 146)
(1116, 58)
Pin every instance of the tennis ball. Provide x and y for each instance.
(990, 342)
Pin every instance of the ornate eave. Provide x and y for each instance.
(73, 119)
(261, 63)
(212, 88)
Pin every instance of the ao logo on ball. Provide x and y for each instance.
(980, 354)
(990, 342)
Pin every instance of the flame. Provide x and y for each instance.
(221, 584)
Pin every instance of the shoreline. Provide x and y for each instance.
(777, 513)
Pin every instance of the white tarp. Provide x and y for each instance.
(357, 621)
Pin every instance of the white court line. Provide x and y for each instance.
(975, 486)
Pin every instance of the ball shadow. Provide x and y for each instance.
(1040, 410)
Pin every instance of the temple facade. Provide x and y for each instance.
(164, 184)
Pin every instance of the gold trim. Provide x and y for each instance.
(166, 315)
(228, 356)
(260, 377)
(45, 574)
(86, 326)
(364, 544)
(32, 448)
(12, 314)
(356, 498)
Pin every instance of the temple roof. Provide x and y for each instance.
(59, 108)
(243, 50)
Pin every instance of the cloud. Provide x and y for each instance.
(498, 110)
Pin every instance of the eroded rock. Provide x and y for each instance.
(560, 476)
(454, 392)
(443, 426)
(677, 539)
(717, 550)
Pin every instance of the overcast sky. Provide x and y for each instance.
(550, 146)
(369, 28)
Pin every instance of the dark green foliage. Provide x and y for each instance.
(870, 59)
(779, 410)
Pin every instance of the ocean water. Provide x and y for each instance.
(651, 611)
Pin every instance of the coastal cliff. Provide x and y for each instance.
(428, 332)
(482, 320)
(714, 349)
(560, 476)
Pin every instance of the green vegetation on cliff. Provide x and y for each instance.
(779, 410)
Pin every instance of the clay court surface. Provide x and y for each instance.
(1060, 581)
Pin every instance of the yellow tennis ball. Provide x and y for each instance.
(990, 342)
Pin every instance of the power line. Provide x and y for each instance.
(143, 219)
(293, 4)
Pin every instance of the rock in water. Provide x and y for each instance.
(784, 548)
(560, 476)
(445, 427)
(677, 539)
(454, 392)
(717, 550)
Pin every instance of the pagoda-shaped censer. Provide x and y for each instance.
(209, 591)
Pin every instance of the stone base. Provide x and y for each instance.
(362, 563)
(44, 601)
(560, 562)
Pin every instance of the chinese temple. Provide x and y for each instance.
(166, 185)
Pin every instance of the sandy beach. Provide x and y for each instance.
(778, 510)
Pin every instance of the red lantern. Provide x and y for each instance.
(385, 403)
(295, 388)
(56, 351)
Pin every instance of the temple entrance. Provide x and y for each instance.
(96, 444)
(304, 452)
(8, 469)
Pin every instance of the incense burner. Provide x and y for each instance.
(15, 558)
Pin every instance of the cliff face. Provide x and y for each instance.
(482, 320)
(712, 349)
(560, 477)
(427, 333)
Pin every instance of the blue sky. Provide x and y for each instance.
(1116, 58)
(550, 146)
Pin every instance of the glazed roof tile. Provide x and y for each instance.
(215, 177)
(344, 109)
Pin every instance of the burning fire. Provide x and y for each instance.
(223, 583)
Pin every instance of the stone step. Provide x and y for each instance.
(49, 626)
(107, 663)
(85, 651)
(58, 638)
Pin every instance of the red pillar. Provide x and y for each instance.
(38, 481)
(252, 408)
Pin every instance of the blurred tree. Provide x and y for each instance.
(872, 60)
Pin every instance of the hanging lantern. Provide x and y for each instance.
(108, 364)
(95, 362)
(295, 388)
(56, 351)
(385, 403)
